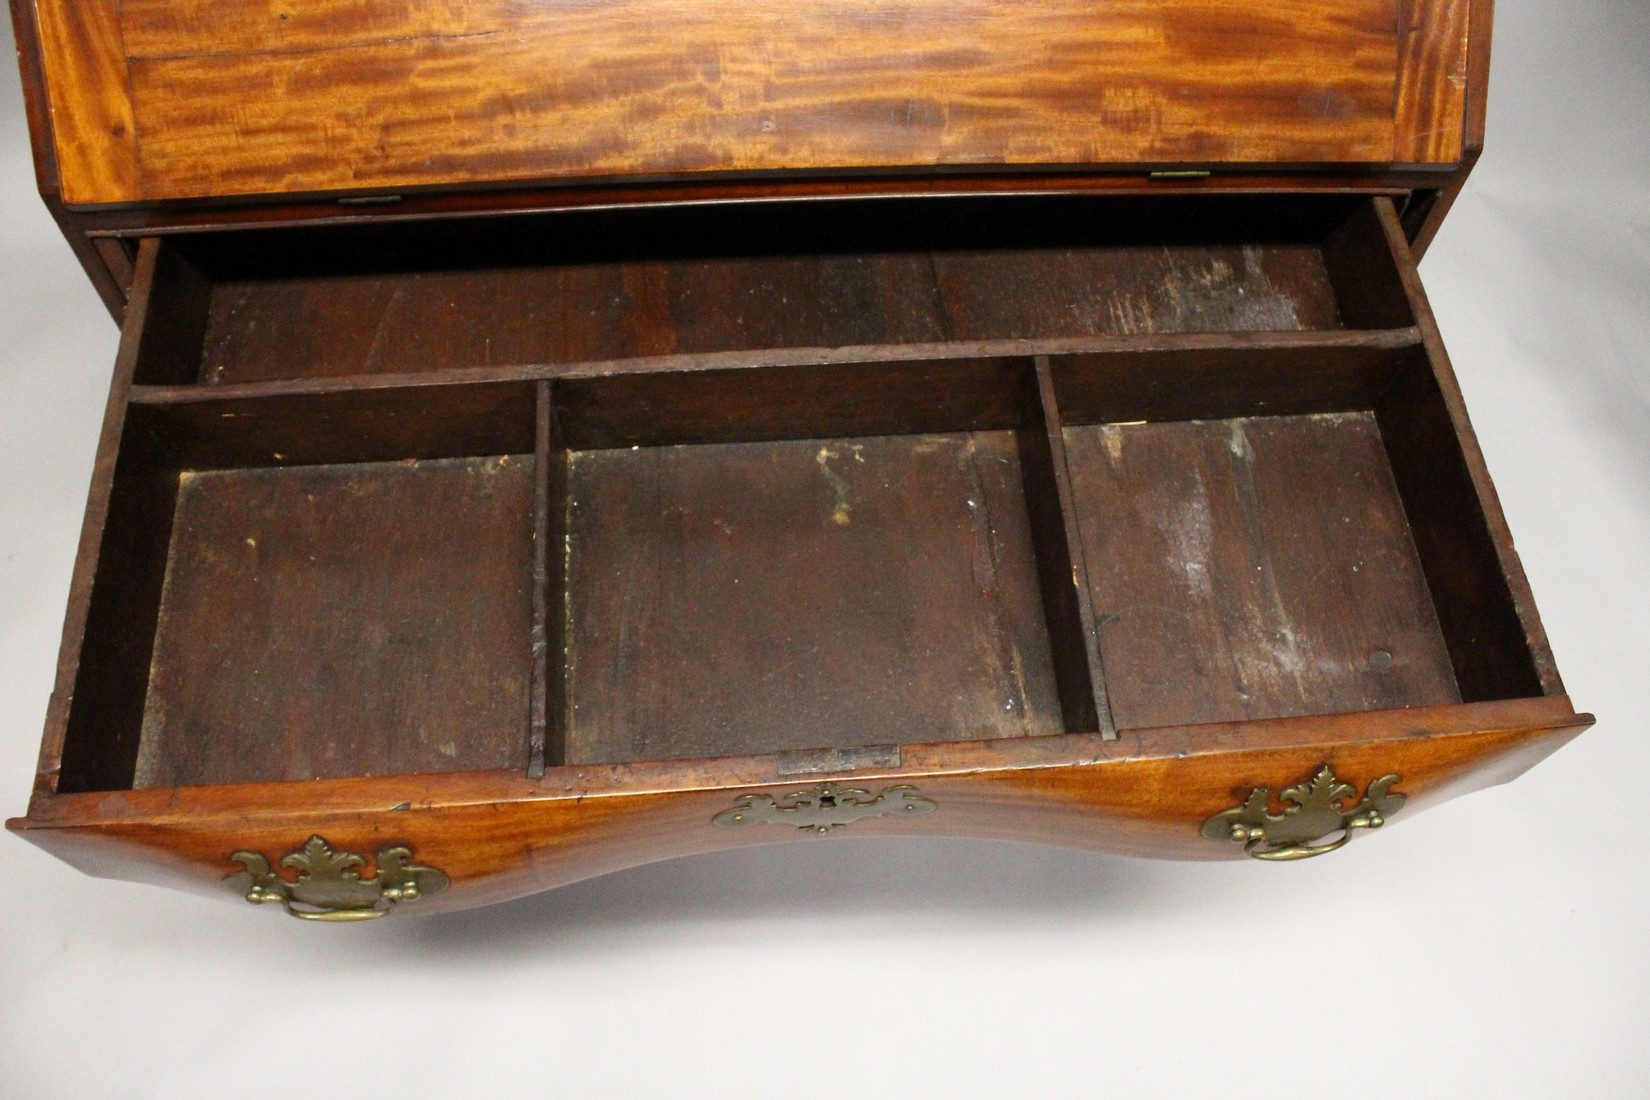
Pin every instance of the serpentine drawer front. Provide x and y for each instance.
(525, 517)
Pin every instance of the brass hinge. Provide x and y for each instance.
(1181, 174)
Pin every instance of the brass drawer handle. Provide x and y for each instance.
(329, 886)
(1317, 811)
(823, 808)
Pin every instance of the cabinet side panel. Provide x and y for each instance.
(93, 127)
(1432, 80)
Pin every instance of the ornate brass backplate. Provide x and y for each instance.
(1315, 810)
(823, 808)
(329, 885)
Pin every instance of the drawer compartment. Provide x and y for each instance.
(552, 537)
(311, 588)
(1254, 567)
(739, 598)
(263, 305)
(358, 619)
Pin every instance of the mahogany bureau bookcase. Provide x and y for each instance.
(553, 435)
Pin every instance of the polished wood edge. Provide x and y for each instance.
(494, 850)
(92, 526)
(1500, 534)
(443, 204)
(786, 357)
(1433, 45)
(25, 22)
(93, 124)
(1479, 33)
(108, 282)
(446, 203)
(1480, 28)
(379, 794)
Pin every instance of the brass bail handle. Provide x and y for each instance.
(1313, 811)
(329, 885)
(339, 916)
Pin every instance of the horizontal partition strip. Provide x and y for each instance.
(1258, 342)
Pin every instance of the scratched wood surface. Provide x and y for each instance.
(1253, 568)
(361, 619)
(173, 99)
(744, 598)
(617, 284)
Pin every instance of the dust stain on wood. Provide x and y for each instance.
(842, 514)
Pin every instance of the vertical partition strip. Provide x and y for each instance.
(1061, 572)
(547, 714)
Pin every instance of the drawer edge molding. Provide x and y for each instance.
(1313, 811)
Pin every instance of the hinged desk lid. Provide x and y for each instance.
(155, 100)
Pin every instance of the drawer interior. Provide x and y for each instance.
(384, 603)
(1253, 567)
(320, 562)
(758, 597)
(625, 284)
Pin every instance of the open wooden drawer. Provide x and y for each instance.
(499, 553)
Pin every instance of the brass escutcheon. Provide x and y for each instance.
(329, 886)
(823, 808)
(1314, 810)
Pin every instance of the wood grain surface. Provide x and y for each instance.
(501, 835)
(357, 619)
(626, 283)
(1253, 568)
(727, 599)
(1303, 527)
(161, 99)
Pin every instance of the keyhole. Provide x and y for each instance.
(827, 800)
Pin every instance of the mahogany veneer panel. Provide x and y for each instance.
(740, 598)
(238, 97)
(361, 619)
(1253, 568)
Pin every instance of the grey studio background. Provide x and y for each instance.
(1498, 946)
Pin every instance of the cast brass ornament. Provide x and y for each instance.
(329, 885)
(823, 808)
(1313, 810)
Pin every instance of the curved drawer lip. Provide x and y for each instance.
(271, 801)
(497, 836)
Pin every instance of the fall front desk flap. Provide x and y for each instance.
(159, 100)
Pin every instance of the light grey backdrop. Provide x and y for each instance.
(1498, 946)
